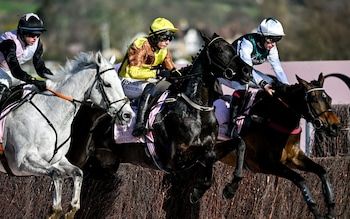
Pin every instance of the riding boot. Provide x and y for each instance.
(140, 125)
(233, 115)
(3, 89)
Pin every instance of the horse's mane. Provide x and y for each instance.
(286, 90)
(81, 61)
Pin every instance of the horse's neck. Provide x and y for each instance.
(198, 90)
(278, 110)
(76, 85)
(291, 104)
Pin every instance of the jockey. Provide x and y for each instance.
(255, 49)
(18, 47)
(147, 58)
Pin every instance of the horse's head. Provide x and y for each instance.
(223, 60)
(108, 91)
(319, 109)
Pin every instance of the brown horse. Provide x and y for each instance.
(185, 128)
(272, 136)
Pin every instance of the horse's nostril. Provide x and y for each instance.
(126, 116)
(336, 127)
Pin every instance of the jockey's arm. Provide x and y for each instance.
(275, 63)
(39, 63)
(8, 49)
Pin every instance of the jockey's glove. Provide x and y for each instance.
(41, 85)
(175, 73)
(164, 73)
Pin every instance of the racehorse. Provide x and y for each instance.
(37, 130)
(271, 132)
(185, 128)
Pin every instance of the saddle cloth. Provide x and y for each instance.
(123, 133)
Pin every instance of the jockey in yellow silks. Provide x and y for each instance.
(146, 59)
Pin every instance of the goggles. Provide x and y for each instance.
(32, 35)
(273, 39)
(165, 37)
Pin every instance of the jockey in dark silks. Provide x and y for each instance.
(18, 47)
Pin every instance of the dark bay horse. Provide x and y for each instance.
(272, 136)
(184, 130)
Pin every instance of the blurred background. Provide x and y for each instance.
(315, 29)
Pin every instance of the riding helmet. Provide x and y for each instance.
(30, 23)
(161, 25)
(271, 27)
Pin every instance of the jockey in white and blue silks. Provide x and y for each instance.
(18, 47)
(255, 49)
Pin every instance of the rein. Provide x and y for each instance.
(98, 80)
(195, 105)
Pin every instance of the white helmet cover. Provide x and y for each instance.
(270, 27)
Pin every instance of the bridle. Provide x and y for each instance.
(313, 115)
(218, 63)
(101, 86)
(226, 71)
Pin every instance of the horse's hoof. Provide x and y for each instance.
(71, 214)
(230, 191)
(53, 216)
(195, 196)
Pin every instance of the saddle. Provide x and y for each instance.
(10, 96)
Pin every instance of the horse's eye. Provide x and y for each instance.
(106, 84)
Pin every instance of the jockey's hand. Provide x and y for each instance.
(41, 85)
(164, 73)
(175, 73)
(269, 90)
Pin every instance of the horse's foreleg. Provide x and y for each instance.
(231, 188)
(328, 195)
(308, 198)
(203, 183)
(327, 190)
(308, 165)
(75, 203)
(38, 166)
(281, 170)
(57, 196)
(77, 175)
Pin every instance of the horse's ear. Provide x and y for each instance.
(112, 59)
(321, 79)
(301, 81)
(98, 57)
(204, 37)
(215, 35)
